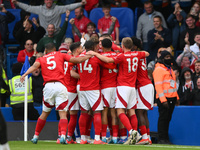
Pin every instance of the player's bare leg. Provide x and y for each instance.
(40, 125)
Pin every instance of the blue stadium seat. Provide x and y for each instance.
(177, 53)
(138, 12)
(11, 58)
(16, 13)
(69, 28)
(124, 15)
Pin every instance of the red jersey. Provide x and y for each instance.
(89, 72)
(108, 76)
(71, 82)
(52, 66)
(128, 64)
(105, 23)
(22, 55)
(81, 25)
(142, 74)
(91, 5)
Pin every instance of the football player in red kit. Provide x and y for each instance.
(55, 91)
(126, 80)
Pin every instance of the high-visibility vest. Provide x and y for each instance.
(165, 82)
(5, 80)
(17, 90)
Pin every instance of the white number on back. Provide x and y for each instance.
(144, 67)
(86, 67)
(134, 64)
(65, 67)
(51, 62)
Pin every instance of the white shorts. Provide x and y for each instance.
(109, 96)
(145, 97)
(126, 97)
(90, 99)
(73, 103)
(55, 95)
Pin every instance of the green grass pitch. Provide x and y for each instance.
(51, 145)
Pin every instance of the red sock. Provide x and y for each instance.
(134, 122)
(123, 132)
(125, 121)
(72, 124)
(148, 131)
(104, 130)
(59, 131)
(97, 123)
(143, 129)
(39, 126)
(83, 123)
(115, 129)
(89, 124)
(63, 126)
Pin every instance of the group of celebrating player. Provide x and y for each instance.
(106, 86)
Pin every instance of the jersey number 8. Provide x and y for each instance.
(132, 66)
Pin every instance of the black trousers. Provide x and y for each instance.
(3, 130)
(18, 112)
(165, 115)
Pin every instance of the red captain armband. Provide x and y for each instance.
(71, 64)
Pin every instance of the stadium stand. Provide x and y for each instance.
(125, 17)
(69, 28)
(138, 12)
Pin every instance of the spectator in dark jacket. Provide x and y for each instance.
(176, 22)
(196, 94)
(23, 16)
(190, 31)
(5, 18)
(27, 32)
(186, 86)
(158, 37)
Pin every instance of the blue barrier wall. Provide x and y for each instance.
(184, 127)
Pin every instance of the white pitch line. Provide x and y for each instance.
(154, 145)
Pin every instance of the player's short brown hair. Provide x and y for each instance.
(197, 61)
(127, 42)
(50, 47)
(74, 46)
(89, 45)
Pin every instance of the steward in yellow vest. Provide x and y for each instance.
(17, 97)
(5, 92)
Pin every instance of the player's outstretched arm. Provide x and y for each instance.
(74, 74)
(146, 53)
(35, 66)
(77, 60)
(101, 57)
